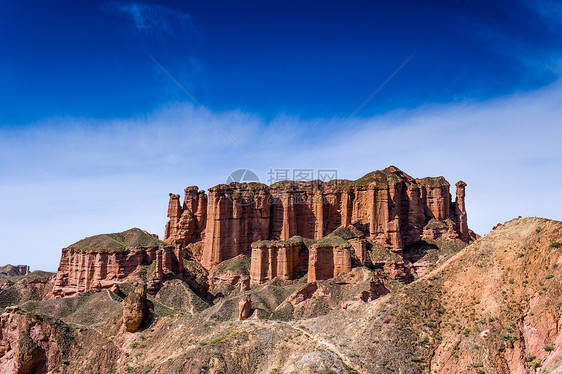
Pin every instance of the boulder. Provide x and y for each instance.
(244, 307)
(136, 308)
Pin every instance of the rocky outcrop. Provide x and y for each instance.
(328, 258)
(346, 291)
(136, 308)
(244, 307)
(36, 285)
(31, 344)
(359, 247)
(324, 258)
(187, 221)
(101, 261)
(391, 208)
(229, 276)
(276, 258)
(394, 208)
(460, 212)
(14, 270)
(238, 215)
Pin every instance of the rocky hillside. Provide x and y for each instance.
(493, 307)
(13, 270)
(19, 288)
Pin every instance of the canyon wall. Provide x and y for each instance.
(276, 258)
(238, 215)
(101, 261)
(327, 260)
(394, 208)
(81, 271)
(389, 207)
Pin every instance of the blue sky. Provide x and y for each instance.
(94, 134)
(311, 59)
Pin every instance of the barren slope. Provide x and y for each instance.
(494, 307)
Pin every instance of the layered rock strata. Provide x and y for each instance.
(276, 258)
(394, 208)
(323, 259)
(186, 221)
(389, 207)
(101, 261)
(328, 259)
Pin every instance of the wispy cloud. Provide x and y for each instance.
(550, 10)
(68, 178)
(536, 47)
(151, 17)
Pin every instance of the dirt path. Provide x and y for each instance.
(331, 347)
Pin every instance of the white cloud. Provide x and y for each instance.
(67, 178)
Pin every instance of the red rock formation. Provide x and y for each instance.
(244, 307)
(395, 207)
(275, 258)
(359, 247)
(188, 221)
(101, 261)
(238, 215)
(460, 212)
(136, 308)
(327, 260)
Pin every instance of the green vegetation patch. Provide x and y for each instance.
(381, 254)
(278, 243)
(332, 240)
(436, 224)
(8, 297)
(117, 242)
(86, 309)
(382, 178)
(348, 232)
(240, 263)
(34, 275)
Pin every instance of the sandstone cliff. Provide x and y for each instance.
(395, 209)
(100, 261)
(388, 210)
(277, 258)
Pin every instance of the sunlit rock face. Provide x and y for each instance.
(393, 208)
(100, 261)
(285, 228)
